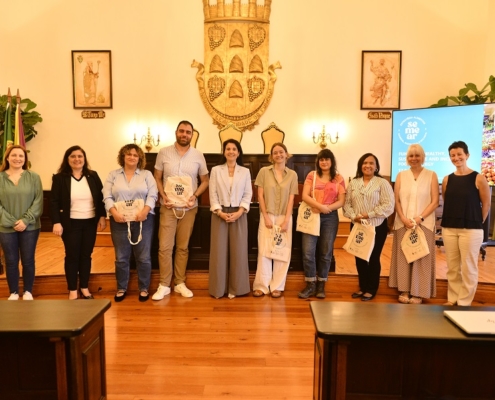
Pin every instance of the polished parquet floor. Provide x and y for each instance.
(204, 348)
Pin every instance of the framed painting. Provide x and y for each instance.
(380, 80)
(92, 78)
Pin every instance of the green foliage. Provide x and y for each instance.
(29, 117)
(470, 94)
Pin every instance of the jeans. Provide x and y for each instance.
(142, 252)
(318, 250)
(79, 242)
(23, 244)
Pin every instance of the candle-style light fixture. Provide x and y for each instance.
(323, 137)
(149, 141)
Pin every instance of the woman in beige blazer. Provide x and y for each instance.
(230, 196)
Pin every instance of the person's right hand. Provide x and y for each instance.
(58, 229)
(268, 222)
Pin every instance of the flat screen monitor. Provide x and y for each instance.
(435, 129)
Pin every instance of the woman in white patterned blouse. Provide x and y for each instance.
(369, 198)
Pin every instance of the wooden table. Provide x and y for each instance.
(398, 351)
(52, 349)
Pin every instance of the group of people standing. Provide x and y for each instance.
(80, 203)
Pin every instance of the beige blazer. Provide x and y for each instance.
(221, 194)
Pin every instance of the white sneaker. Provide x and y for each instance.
(161, 292)
(27, 296)
(13, 296)
(183, 290)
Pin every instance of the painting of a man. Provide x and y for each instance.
(380, 85)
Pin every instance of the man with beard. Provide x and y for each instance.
(178, 163)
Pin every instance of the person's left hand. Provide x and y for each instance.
(20, 226)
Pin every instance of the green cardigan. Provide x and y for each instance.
(24, 201)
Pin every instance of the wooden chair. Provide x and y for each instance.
(272, 134)
(195, 138)
(229, 131)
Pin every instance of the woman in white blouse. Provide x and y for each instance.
(369, 198)
(230, 196)
(416, 198)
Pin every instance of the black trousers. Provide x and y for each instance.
(369, 272)
(79, 242)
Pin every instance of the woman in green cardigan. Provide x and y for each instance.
(21, 205)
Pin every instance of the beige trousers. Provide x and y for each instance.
(174, 231)
(462, 248)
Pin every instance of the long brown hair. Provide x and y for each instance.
(6, 165)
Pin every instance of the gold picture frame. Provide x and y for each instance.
(92, 79)
(381, 79)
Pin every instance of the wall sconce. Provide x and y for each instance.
(323, 137)
(149, 141)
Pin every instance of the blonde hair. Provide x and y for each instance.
(418, 149)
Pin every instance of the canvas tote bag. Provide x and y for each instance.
(129, 209)
(361, 240)
(307, 220)
(277, 245)
(178, 190)
(414, 245)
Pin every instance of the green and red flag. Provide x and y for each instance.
(8, 138)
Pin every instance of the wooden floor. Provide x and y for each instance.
(204, 348)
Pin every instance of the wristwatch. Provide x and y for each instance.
(422, 219)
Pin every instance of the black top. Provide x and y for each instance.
(60, 198)
(462, 203)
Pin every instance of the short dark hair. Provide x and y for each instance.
(185, 123)
(223, 159)
(65, 168)
(459, 145)
(359, 172)
(326, 154)
(126, 149)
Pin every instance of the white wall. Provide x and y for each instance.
(444, 43)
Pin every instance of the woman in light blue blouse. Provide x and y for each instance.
(21, 205)
(131, 231)
(369, 198)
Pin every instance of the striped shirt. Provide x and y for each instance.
(376, 199)
(171, 163)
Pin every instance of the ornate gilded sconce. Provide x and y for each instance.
(149, 141)
(323, 137)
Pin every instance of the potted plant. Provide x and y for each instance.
(30, 117)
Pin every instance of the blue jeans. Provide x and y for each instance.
(142, 252)
(23, 244)
(318, 250)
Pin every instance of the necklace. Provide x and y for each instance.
(14, 177)
(231, 170)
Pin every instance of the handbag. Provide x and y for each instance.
(277, 246)
(414, 245)
(308, 221)
(361, 240)
(129, 209)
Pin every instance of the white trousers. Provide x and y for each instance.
(462, 248)
(271, 274)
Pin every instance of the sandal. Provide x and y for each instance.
(415, 300)
(449, 303)
(276, 294)
(257, 293)
(404, 298)
(120, 295)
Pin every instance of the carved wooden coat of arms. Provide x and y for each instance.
(236, 82)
